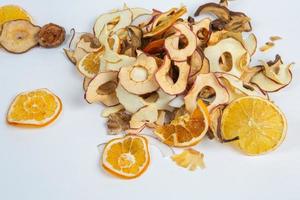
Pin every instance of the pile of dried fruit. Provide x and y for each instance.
(18, 34)
(184, 78)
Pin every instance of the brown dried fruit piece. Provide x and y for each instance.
(19, 36)
(118, 122)
(51, 35)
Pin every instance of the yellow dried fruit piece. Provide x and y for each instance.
(127, 157)
(190, 159)
(13, 12)
(89, 65)
(258, 123)
(36, 108)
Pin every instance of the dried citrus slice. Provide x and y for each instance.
(13, 12)
(187, 129)
(36, 108)
(126, 157)
(259, 124)
(89, 65)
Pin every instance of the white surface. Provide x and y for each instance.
(61, 161)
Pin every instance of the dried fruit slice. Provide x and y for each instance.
(220, 11)
(136, 12)
(19, 36)
(186, 129)
(148, 114)
(265, 83)
(172, 43)
(232, 49)
(165, 81)
(102, 89)
(36, 108)
(89, 65)
(202, 81)
(13, 12)
(51, 35)
(196, 62)
(118, 122)
(119, 19)
(190, 159)
(251, 44)
(140, 77)
(202, 31)
(258, 123)
(126, 157)
(131, 102)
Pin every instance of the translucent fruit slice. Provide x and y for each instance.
(36, 108)
(259, 124)
(13, 12)
(89, 65)
(186, 129)
(126, 157)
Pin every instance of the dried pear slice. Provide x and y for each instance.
(140, 77)
(148, 114)
(265, 83)
(172, 43)
(19, 36)
(102, 89)
(202, 81)
(165, 81)
(131, 102)
(124, 18)
(228, 46)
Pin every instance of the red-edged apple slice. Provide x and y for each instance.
(165, 81)
(172, 43)
(202, 81)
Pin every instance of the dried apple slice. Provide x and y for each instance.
(230, 47)
(178, 102)
(136, 12)
(265, 83)
(140, 77)
(251, 44)
(165, 81)
(163, 100)
(123, 18)
(19, 36)
(102, 89)
(277, 71)
(202, 31)
(89, 65)
(202, 81)
(131, 102)
(196, 62)
(172, 43)
(125, 61)
(245, 88)
(112, 110)
(214, 8)
(86, 82)
(148, 114)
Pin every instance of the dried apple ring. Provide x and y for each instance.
(140, 77)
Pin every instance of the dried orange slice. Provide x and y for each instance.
(89, 65)
(126, 157)
(13, 12)
(258, 123)
(187, 129)
(36, 108)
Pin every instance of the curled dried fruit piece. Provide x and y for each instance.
(172, 43)
(203, 81)
(102, 89)
(89, 65)
(218, 10)
(51, 35)
(112, 110)
(19, 36)
(267, 46)
(186, 129)
(140, 77)
(118, 122)
(202, 31)
(190, 159)
(148, 114)
(225, 56)
(167, 83)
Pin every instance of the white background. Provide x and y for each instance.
(61, 161)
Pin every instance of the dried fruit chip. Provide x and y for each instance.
(13, 12)
(186, 129)
(258, 123)
(89, 65)
(126, 157)
(190, 159)
(118, 122)
(19, 36)
(51, 35)
(36, 108)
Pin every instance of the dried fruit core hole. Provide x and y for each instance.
(107, 88)
(225, 62)
(174, 73)
(208, 94)
(139, 74)
(126, 160)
